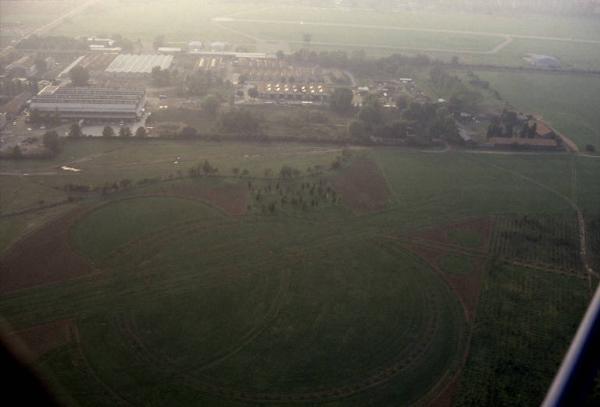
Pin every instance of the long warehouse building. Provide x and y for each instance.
(89, 103)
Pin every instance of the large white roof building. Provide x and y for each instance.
(138, 64)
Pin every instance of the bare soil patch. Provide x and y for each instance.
(467, 286)
(43, 257)
(447, 234)
(362, 187)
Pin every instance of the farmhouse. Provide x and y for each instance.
(89, 103)
(128, 64)
(543, 131)
(543, 61)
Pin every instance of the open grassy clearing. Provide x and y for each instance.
(268, 303)
(282, 23)
(19, 12)
(14, 227)
(365, 37)
(525, 321)
(540, 25)
(147, 19)
(17, 18)
(102, 161)
(568, 103)
(20, 17)
(436, 188)
(108, 228)
(383, 33)
(270, 306)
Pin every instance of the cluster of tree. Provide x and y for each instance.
(79, 76)
(508, 124)
(475, 80)
(125, 43)
(105, 188)
(240, 121)
(424, 121)
(51, 43)
(429, 121)
(237, 172)
(211, 104)
(304, 195)
(51, 142)
(340, 100)
(287, 172)
(160, 77)
(358, 63)
(12, 87)
(201, 83)
(460, 96)
(75, 131)
(204, 168)
(124, 131)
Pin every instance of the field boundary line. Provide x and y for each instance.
(88, 366)
(580, 219)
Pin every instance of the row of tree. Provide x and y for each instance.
(424, 121)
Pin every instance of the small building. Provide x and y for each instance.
(363, 90)
(543, 61)
(195, 45)
(169, 50)
(543, 131)
(103, 42)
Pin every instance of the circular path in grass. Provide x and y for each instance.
(267, 310)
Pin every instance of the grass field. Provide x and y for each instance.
(20, 17)
(369, 301)
(536, 313)
(568, 103)
(441, 33)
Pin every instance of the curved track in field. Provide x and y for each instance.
(399, 346)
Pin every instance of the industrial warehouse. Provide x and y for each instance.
(89, 103)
